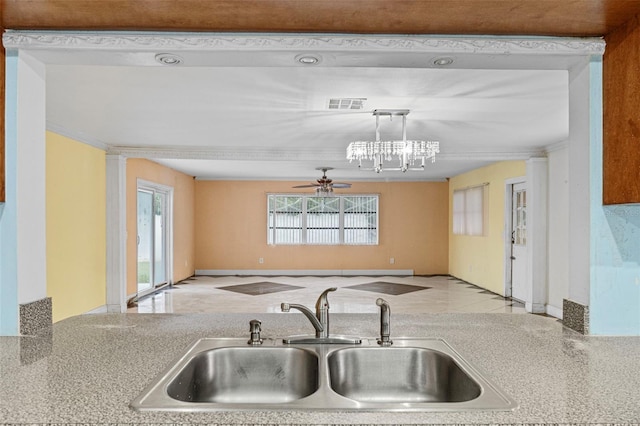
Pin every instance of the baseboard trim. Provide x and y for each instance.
(535, 308)
(554, 311)
(99, 310)
(302, 272)
(116, 309)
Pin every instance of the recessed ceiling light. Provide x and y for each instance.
(168, 59)
(308, 59)
(442, 62)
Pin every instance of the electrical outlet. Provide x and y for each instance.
(261, 260)
(392, 260)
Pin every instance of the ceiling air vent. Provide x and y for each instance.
(347, 103)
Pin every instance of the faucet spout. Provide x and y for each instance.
(285, 307)
(320, 322)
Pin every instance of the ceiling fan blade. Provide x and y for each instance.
(312, 185)
(341, 185)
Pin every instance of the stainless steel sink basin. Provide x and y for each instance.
(400, 375)
(249, 375)
(412, 375)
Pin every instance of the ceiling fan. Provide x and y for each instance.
(324, 185)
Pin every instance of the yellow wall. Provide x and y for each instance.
(480, 259)
(183, 217)
(231, 222)
(76, 226)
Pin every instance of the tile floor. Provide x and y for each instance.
(254, 294)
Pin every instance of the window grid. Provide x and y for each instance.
(336, 220)
(520, 234)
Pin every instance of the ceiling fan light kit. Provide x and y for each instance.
(324, 186)
(408, 152)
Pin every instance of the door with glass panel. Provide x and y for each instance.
(151, 239)
(519, 241)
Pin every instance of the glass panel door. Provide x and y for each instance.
(159, 238)
(145, 240)
(519, 242)
(152, 238)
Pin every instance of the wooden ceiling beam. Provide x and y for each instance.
(471, 17)
(493, 17)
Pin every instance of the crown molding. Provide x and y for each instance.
(556, 146)
(77, 136)
(490, 156)
(226, 154)
(133, 41)
(262, 154)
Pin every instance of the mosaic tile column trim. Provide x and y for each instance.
(575, 316)
(35, 316)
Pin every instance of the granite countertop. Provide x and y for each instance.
(87, 369)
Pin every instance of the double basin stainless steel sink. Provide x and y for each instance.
(412, 375)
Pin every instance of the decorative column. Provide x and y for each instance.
(537, 176)
(575, 308)
(116, 234)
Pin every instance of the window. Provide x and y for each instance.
(468, 211)
(308, 219)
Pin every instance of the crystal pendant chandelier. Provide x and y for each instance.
(409, 153)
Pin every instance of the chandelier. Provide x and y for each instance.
(408, 152)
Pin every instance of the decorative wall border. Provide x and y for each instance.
(248, 42)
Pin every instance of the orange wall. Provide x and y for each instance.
(231, 220)
(183, 217)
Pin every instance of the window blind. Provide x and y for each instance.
(468, 211)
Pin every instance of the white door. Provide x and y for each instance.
(518, 241)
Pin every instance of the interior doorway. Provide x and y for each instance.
(518, 241)
(515, 238)
(154, 208)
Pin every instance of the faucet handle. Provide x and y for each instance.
(323, 301)
(255, 329)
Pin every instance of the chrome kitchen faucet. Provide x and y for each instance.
(320, 322)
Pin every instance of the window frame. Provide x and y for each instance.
(304, 239)
(468, 217)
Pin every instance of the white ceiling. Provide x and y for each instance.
(262, 115)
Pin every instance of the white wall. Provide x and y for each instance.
(579, 252)
(558, 228)
(30, 180)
